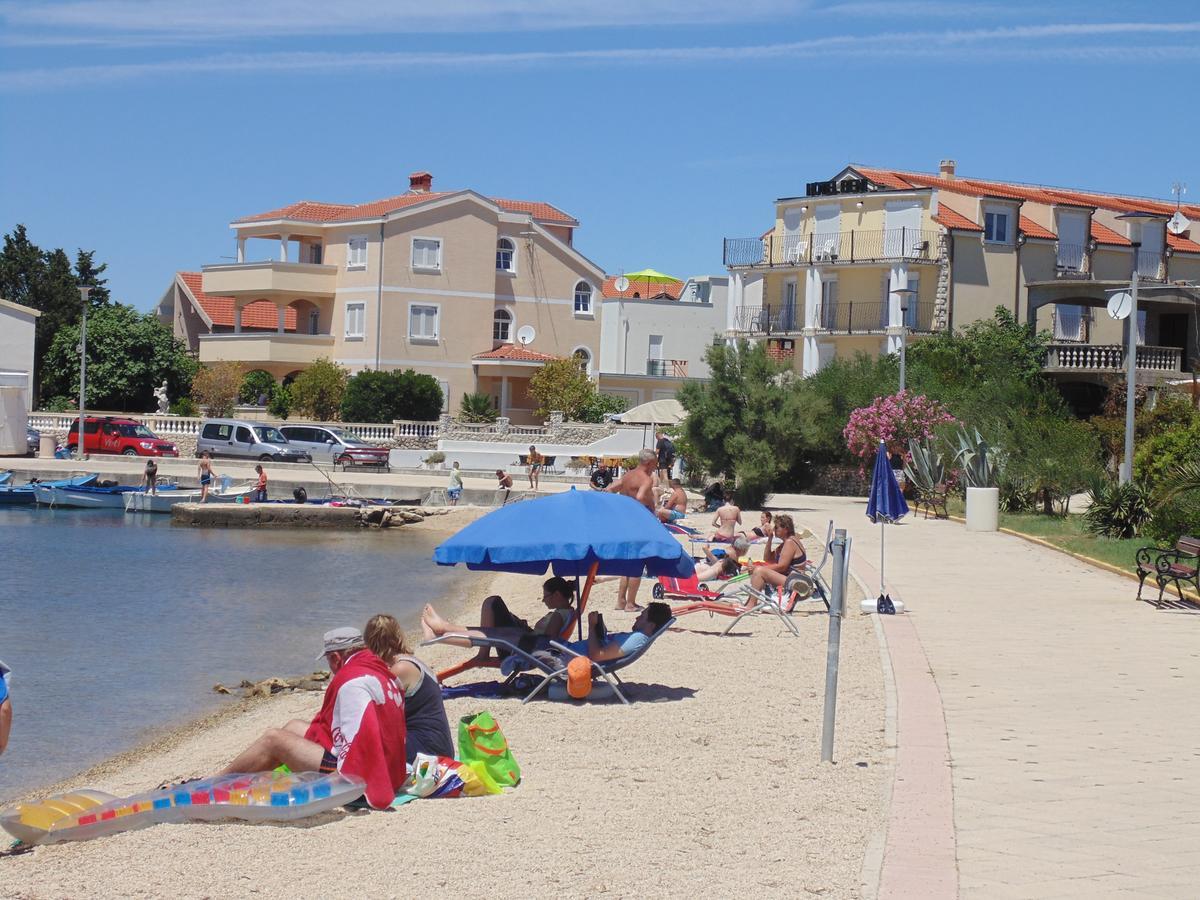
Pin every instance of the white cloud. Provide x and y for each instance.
(1084, 42)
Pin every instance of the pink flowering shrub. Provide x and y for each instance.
(893, 420)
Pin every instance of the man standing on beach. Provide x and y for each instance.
(637, 483)
(359, 730)
(665, 450)
(535, 461)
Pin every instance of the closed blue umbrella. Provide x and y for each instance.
(574, 533)
(885, 505)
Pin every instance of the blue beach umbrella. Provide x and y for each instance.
(575, 533)
(885, 505)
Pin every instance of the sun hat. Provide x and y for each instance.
(341, 639)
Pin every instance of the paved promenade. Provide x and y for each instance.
(1070, 713)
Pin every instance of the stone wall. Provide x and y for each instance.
(839, 481)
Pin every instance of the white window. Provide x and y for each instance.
(1068, 322)
(427, 254)
(829, 303)
(584, 357)
(423, 323)
(583, 298)
(910, 302)
(995, 226)
(356, 253)
(502, 326)
(506, 255)
(355, 319)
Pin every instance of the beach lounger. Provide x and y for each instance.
(493, 662)
(773, 602)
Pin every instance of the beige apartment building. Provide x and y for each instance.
(874, 256)
(478, 292)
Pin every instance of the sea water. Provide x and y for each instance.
(116, 624)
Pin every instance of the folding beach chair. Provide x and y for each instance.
(493, 662)
(691, 588)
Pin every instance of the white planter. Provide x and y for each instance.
(983, 509)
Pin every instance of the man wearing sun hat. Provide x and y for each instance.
(358, 731)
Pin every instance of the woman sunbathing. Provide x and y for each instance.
(495, 621)
(780, 562)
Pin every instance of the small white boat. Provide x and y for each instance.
(163, 501)
(83, 497)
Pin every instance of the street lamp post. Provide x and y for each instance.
(83, 295)
(906, 295)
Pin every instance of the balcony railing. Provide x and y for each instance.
(1151, 265)
(833, 247)
(667, 368)
(1109, 358)
(1073, 261)
(768, 319)
(838, 317)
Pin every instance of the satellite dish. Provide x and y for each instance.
(525, 335)
(1120, 305)
(1178, 223)
(621, 284)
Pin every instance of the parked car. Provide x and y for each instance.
(33, 440)
(114, 434)
(328, 444)
(247, 440)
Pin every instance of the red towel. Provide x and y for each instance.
(361, 722)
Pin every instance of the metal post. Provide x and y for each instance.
(903, 342)
(83, 294)
(837, 604)
(1130, 373)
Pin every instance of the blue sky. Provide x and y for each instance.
(140, 129)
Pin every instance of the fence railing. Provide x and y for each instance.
(839, 317)
(1151, 265)
(853, 246)
(1110, 358)
(1072, 260)
(672, 368)
(768, 319)
(189, 426)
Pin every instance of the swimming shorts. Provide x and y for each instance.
(206, 478)
(328, 763)
(676, 515)
(454, 493)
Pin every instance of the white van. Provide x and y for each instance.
(247, 440)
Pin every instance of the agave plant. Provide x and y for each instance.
(1118, 510)
(477, 408)
(926, 468)
(976, 459)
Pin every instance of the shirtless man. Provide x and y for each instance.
(638, 483)
(674, 504)
(504, 483)
(204, 471)
(726, 520)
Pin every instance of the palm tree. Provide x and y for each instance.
(477, 408)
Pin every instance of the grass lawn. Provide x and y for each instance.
(1069, 534)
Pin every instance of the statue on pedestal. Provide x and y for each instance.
(160, 394)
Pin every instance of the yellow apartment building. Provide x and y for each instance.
(476, 291)
(874, 256)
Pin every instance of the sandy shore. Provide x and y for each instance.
(710, 783)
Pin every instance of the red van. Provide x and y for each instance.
(112, 434)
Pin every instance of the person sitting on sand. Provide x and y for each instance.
(601, 646)
(428, 729)
(764, 529)
(674, 505)
(504, 483)
(726, 520)
(358, 731)
(495, 621)
(726, 565)
(780, 562)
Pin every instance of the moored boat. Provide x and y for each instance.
(86, 497)
(13, 494)
(140, 501)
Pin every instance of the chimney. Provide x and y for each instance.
(420, 183)
(946, 169)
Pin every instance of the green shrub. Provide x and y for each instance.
(1156, 457)
(281, 403)
(1118, 510)
(61, 404)
(318, 390)
(477, 408)
(184, 406)
(437, 456)
(600, 405)
(374, 396)
(257, 384)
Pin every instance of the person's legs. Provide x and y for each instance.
(627, 594)
(434, 626)
(529, 472)
(297, 726)
(278, 746)
(763, 579)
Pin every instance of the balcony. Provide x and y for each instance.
(833, 248)
(838, 317)
(1151, 265)
(1072, 261)
(1067, 358)
(270, 278)
(265, 347)
(667, 368)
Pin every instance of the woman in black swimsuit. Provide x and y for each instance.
(785, 560)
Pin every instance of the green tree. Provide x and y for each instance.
(318, 390)
(255, 384)
(750, 421)
(216, 387)
(601, 405)
(477, 408)
(374, 396)
(561, 385)
(129, 355)
(281, 403)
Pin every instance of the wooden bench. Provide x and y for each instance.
(934, 500)
(1178, 565)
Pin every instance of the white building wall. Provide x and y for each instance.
(17, 325)
(687, 331)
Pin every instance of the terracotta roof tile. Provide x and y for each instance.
(1032, 229)
(883, 177)
(311, 211)
(644, 290)
(1102, 234)
(514, 353)
(952, 219)
(1182, 243)
(259, 314)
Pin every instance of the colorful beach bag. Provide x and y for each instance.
(482, 743)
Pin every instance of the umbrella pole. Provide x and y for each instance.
(582, 599)
(882, 539)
